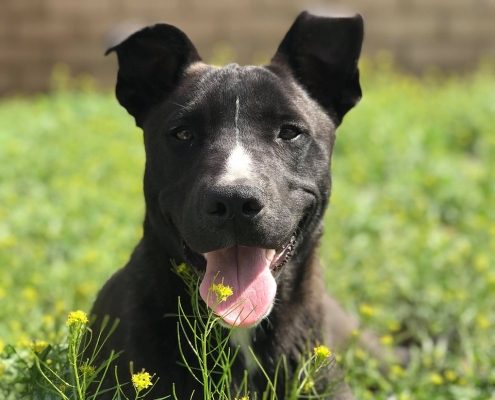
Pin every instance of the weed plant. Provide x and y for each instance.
(65, 371)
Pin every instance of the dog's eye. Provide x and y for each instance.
(182, 134)
(289, 132)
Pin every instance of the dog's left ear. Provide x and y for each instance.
(322, 54)
(151, 63)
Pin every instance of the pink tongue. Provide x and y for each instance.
(247, 271)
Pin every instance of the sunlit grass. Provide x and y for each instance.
(410, 234)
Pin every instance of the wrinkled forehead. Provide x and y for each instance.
(217, 91)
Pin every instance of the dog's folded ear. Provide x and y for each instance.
(151, 62)
(322, 54)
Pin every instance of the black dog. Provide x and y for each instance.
(236, 183)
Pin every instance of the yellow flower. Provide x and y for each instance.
(242, 398)
(87, 369)
(322, 353)
(141, 380)
(8, 241)
(436, 379)
(2, 345)
(39, 345)
(387, 340)
(450, 375)
(222, 291)
(181, 269)
(397, 371)
(308, 386)
(24, 342)
(482, 263)
(366, 310)
(482, 321)
(90, 256)
(76, 318)
(30, 294)
(404, 396)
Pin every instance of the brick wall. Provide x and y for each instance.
(35, 35)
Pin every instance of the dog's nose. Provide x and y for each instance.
(233, 201)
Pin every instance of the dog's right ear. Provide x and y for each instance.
(151, 62)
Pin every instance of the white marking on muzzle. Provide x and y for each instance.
(238, 164)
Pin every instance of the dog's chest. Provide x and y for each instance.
(242, 339)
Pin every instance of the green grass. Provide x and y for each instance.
(410, 232)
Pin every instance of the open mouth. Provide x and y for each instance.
(249, 273)
(279, 257)
(283, 256)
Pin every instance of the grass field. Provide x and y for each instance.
(410, 233)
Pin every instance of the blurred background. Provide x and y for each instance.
(35, 35)
(409, 243)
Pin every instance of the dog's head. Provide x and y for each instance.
(237, 158)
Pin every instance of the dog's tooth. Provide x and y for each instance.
(270, 254)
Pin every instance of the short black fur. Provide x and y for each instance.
(193, 116)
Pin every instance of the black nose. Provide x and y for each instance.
(233, 201)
